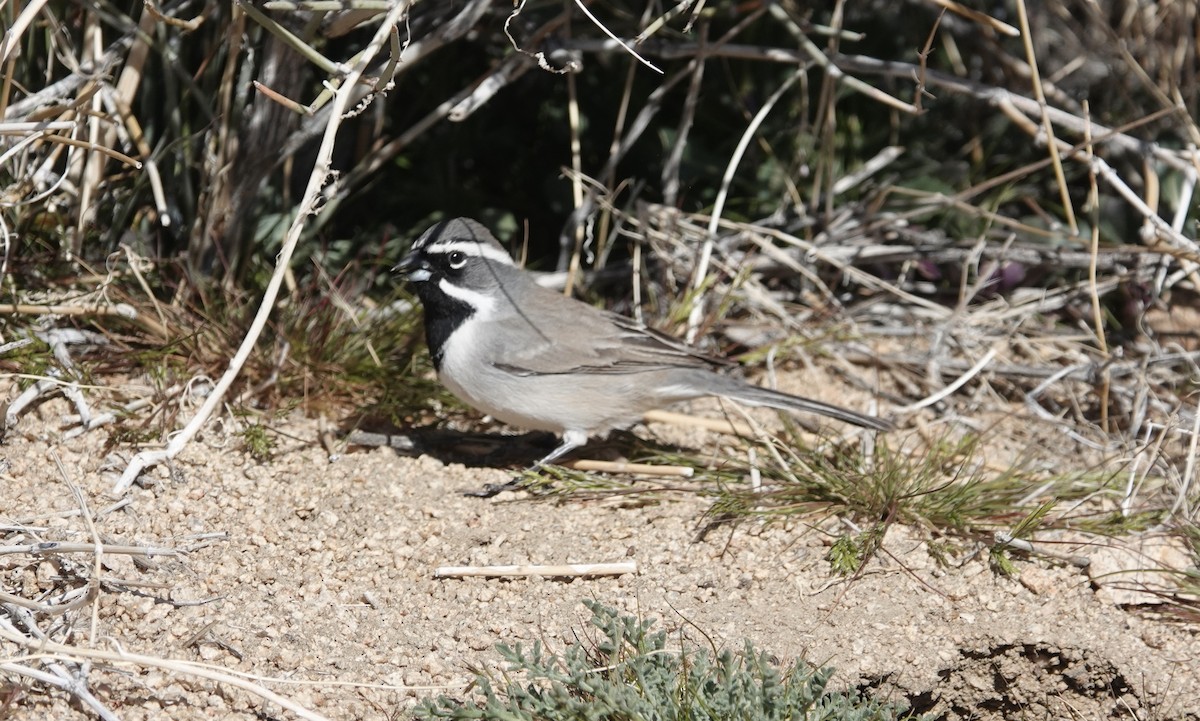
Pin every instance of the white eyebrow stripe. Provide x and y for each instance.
(471, 248)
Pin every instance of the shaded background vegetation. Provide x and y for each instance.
(232, 161)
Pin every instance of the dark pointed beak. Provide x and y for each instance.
(413, 267)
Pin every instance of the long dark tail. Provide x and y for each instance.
(753, 395)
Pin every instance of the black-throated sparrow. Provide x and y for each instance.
(536, 359)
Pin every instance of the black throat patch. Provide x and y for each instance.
(443, 315)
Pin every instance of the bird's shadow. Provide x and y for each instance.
(476, 449)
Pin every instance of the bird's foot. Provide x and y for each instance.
(494, 489)
(531, 479)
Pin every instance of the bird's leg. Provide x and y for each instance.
(570, 441)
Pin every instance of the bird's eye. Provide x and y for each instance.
(456, 258)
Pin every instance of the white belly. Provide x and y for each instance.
(556, 403)
(504, 396)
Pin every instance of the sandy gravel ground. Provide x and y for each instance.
(320, 575)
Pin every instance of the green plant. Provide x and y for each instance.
(998, 555)
(946, 486)
(260, 444)
(845, 555)
(629, 674)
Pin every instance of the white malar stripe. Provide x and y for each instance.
(484, 305)
(471, 248)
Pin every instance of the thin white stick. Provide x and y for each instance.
(22, 128)
(978, 17)
(49, 547)
(755, 473)
(121, 310)
(571, 569)
(697, 311)
(881, 160)
(1127, 497)
(958, 383)
(1181, 497)
(1165, 230)
(65, 681)
(1006, 539)
(606, 31)
(43, 648)
(13, 37)
(640, 469)
(57, 608)
(309, 205)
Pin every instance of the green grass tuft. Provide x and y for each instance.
(260, 444)
(944, 486)
(845, 555)
(630, 675)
